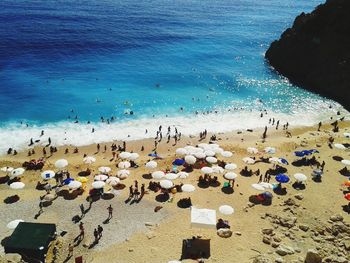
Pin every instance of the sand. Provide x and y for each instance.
(137, 234)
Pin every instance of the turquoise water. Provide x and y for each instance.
(86, 59)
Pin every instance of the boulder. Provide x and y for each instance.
(304, 227)
(336, 218)
(283, 250)
(224, 232)
(312, 256)
(262, 259)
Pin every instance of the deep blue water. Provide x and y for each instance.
(61, 55)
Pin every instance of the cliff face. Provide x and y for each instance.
(315, 52)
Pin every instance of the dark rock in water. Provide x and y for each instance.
(315, 52)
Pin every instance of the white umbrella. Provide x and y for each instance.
(300, 177)
(48, 174)
(230, 166)
(123, 173)
(104, 169)
(230, 176)
(17, 185)
(187, 188)
(17, 172)
(226, 154)
(98, 184)
(134, 156)
(112, 180)
(203, 145)
(248, 160)
(89, 160)
(258, 187)
(181, 151)
(217, 169)
(13, 224)
(158, 174)
(226, 210)
(190, 159)
(211, 159)
(151, 165)
(346, 134)
(346, 162)
(207, 170)
(124, 165)
(270, 150)
(124, 155)
(174, 261)
(252, 150)
(339, 146)
(61, 163)
(7, 169)
(266, 185)
(74, 185)
(166, 184)
(101, 177)
(218, 150)
(182, 175)
(274, 160)
(209, 153)
(200, 155)
(171, 176)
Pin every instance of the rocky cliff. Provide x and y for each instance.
(315, 52)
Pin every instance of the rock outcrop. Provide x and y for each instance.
(315, 52)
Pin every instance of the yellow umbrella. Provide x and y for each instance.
(82, 179)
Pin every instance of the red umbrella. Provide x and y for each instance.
(347, 196)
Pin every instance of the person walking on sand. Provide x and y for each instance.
(96, 235)
(110, 212)
(131, 191)
(99, 231)
(70, 250)
(98, 147)
(82, 231)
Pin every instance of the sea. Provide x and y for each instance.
(121, 67)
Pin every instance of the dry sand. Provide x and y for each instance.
(127, 238)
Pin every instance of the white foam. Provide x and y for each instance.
(65, 133)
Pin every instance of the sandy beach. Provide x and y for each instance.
(314, 218)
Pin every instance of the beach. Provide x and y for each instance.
(136, 233)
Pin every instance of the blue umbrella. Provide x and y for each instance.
(153, 155)
(299, 154)
(67, 181)
(282, 178)
(284, 161)
(306, 152)
(314, 151)
(267, 195)
(178, 162)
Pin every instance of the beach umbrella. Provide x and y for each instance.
(89, 160)
(347, 196)
(151, 165)
(182, 175)
(252, 150)
(166, 184)
(124, 165)
(13, 224)
(211, 159)
(248, 160)
(17, 172)
(346, 162)
(226, 154)
(200, 155)
(74, 185)
(274, 160)
(49, 197)
(7, 169)
(230, 166)
(266, 185)
(104, 169)
(218, 150)
(61, 163)
(158, 174)
(267, 195)
(209, 153)
(187, 188)
(339, 146)
(134, 156)
(124, 155)
(190, 159)
(346, 134)
(113, 181)
(82, 179)
(283, 161)
(299, 154)
(179, 162)
(230, 176)
(67, 181)
(98, 184)
(270, 150)
(48, 174)
(171, 176)
(217, 169)
(17, 185)
(226, 210)
(122, 174)
(181, 151)
(207, 170)
(300, 177)
(258, 187)
(101, 177)
(347, 183)
(203, 145)
(317, 172)
(282, 178)
(174, 261)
